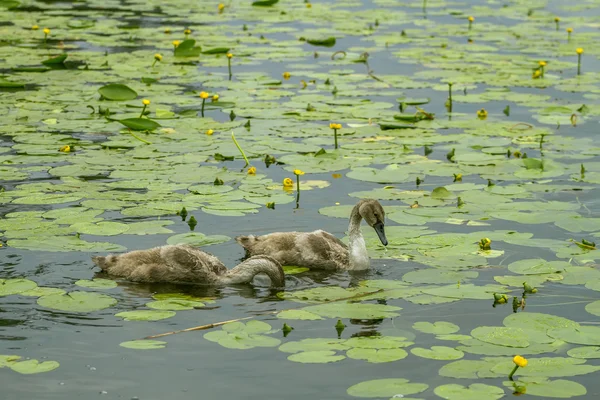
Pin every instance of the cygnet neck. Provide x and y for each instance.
(358, 257)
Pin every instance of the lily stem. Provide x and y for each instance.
(142, 113)
(203, 101)
(510, 376)
(239, 148)
(335, 138)
(298, 190)
(139, 138)
(229, 67)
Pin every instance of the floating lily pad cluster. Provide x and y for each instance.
(474, 124)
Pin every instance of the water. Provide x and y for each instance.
(87, 345)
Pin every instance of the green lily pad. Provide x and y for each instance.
(15, 286)
(316, 357)
(298, 315)
(438, 353)
(145, 315)
(174, 304)
(33, 366)
(97, 283)
(375, 355)
(558, 389)
(116, 91)
(386, 388)
(436, 328)
(238, 335)
(589, 335)
(356, 310)
(144, 344)
(77, 301)
(197, 239)
(474, 391)
(585, 352)
(139, 124)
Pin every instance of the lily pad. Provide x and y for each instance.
(33, 366)
(97, 283)
(316, 357)
(145, 315)
(144, 344)
(474, 391)
(386, 388)
(77, 301)
(14, 286)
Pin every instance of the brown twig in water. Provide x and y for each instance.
(216, 324)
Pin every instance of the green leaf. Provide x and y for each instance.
(377, 356)
(585, 352)
(188, 48)
(217, 50)
(542, 388)
(15, 286)
(4, 84)
(293, 270)
(316, 357)
(77, 301)
(356, 310)
(326, 42)
(589, 335)
(29, 367)
(264, 3)
(386, 388)
(197, 239)
(144, 344)
(55, 60)
(145, 315)
(139, 124)
(298, 315)
(116, 91)
(475, 391)
(97, 283)
(174, 304)
(438, 353)
(436, 328)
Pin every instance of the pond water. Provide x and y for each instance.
(491, 197)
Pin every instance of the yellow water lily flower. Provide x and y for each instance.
(167, 30)
(536, 74)
(520, 361)
(158, 57)
(569, 30)
(579, 50)
(46, 31)
(482, 114)
(176, 43)
(215, 97)
(335, 126)
(204, 95)
(471, 18)
(187, 31)
(288, 183)
(65, 149)
(298, 172)
(543, 63)
(221, 6)
(146, 102)
(308, 5)
(229, 55)
(210, 132)
(35, 28)
(252, 171)
(286, 75)
(556, 19)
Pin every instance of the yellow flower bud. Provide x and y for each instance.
(158, 57)
(167, 30)
(536, 74)
(215, 97)
(298, 172)
(556, 19)
(46, 31)
(146, 102)
(569, 30)
(175, 43)
(520, 361)
(210, 132)
(482, 114)
(221, 6)
(286, 75)
(288, 183)
(308, 5)
(229, 55)
(542, 63)
(252, 171)
(579, 50)
(65, 149)
(471, 19)
(187, 31)
(204, 95)
(35, 27)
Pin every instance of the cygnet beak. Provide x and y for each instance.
(381, 233)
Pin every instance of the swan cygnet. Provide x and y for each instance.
(186, 264)
(320, 249)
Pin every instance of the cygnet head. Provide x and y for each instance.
(372, 212)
